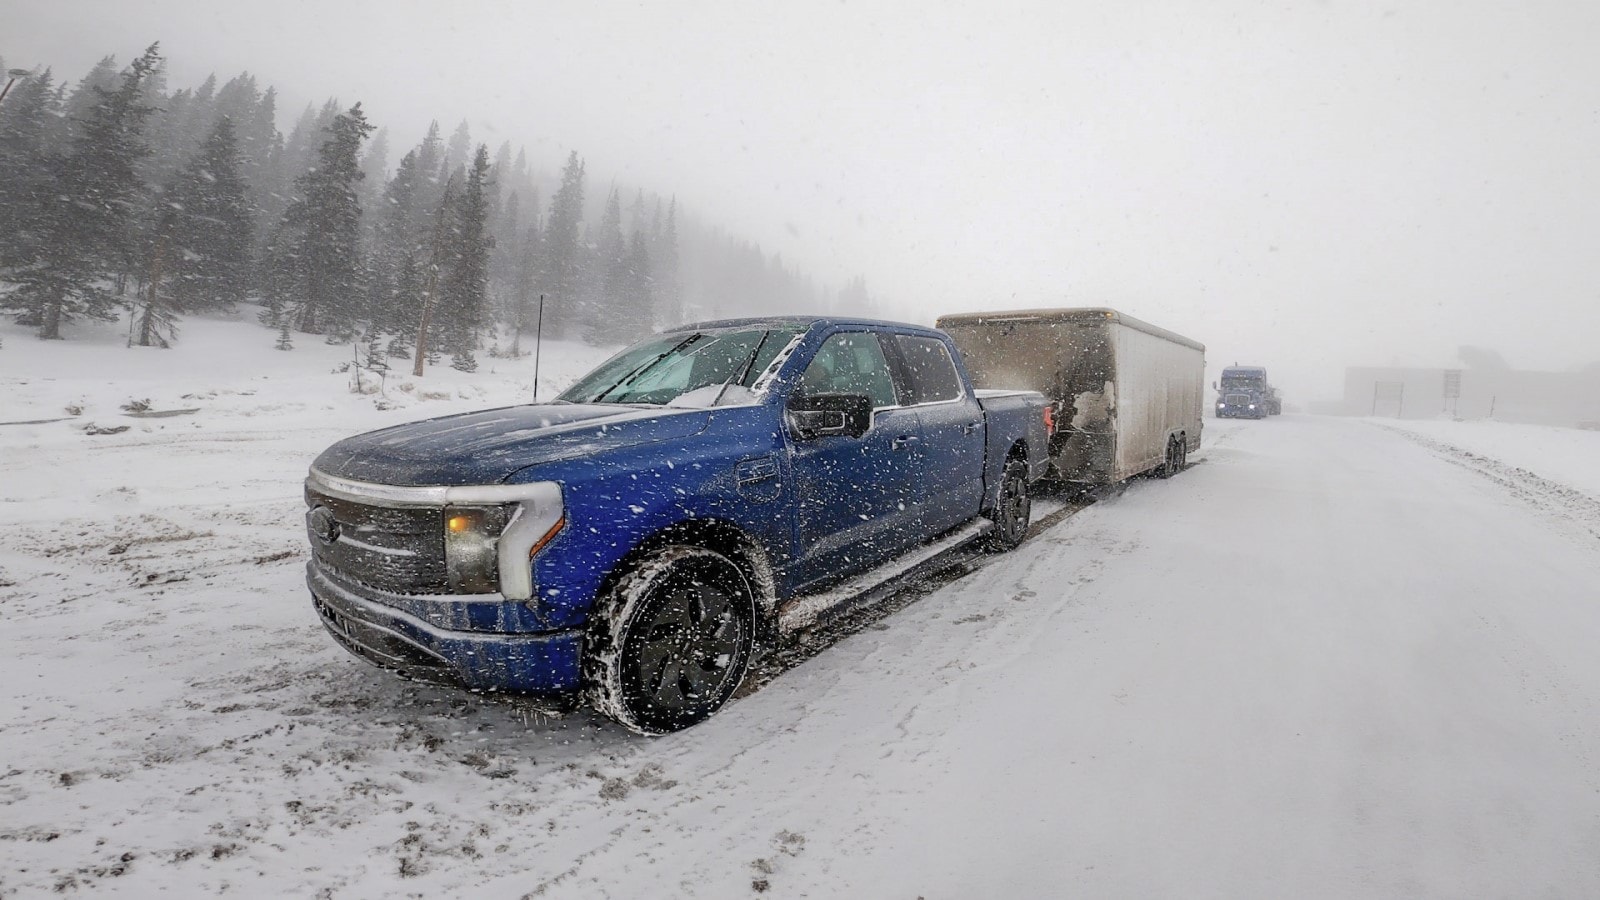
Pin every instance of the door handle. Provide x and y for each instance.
(969, 428)
(902, 442)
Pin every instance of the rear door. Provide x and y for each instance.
(952, 430)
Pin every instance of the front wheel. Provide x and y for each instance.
(672, 641)
(1012, 509)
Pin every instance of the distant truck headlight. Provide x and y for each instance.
(1252, 406)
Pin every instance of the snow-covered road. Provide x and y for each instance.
(1329, 660)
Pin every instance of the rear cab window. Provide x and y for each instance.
(927, 373)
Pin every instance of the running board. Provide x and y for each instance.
(800, 613)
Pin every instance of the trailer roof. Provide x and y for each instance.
(1066, 314)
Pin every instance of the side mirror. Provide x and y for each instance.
(823, 415)
(1213, 385)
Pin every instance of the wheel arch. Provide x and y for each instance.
(720, 536)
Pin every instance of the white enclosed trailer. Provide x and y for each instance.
(1127, 395)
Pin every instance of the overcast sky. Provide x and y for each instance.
(1299, 185)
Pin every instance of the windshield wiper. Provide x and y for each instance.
(645, 366)
(743, 370)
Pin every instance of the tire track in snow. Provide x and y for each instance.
(1549, 497)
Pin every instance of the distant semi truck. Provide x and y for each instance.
(1245, 393)
(1127, 396)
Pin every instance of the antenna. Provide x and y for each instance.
(538, 345)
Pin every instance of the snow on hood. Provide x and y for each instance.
(487, 447)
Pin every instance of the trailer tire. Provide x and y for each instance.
(672, 640)
(1173, 463)
(1013, 507)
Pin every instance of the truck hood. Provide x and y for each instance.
(488, 447)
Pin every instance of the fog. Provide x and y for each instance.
(1303, 186)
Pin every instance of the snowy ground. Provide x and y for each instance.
(1329, 660)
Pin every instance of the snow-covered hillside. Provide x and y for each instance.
(1328, 660)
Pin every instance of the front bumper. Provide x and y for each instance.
(537, 663)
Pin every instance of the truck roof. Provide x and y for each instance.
(1245, 371)
(799, 322)
(1067, 314)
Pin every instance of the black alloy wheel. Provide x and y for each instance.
(680, 634)
(1012, 509)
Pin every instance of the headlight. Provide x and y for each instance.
(1252, 406)
(471, 538)
(490, 547)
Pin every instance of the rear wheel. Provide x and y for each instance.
(673, 641)
(1012, 509)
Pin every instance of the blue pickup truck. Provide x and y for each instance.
(712, 489)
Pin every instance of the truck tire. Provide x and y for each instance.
(1012, 509)
(672, 640)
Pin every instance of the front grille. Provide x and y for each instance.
(1237, 399)
(398, 549)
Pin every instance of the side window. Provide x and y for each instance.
(850, 364)
(931, 371)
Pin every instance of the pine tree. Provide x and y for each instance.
(27, 169)
(405, 307)
(395, 294)
(636, 317)
(104, 77)
(328, 216)
(608, 280)
(285, 340)
(530, 262)
(464, 295)
(430, 187)
(212, 228)
(87, 240)
(507, 231)
(290, 159)
(560, 279)
(261, 150)
(375, 174)
(440, 245)
(455, 156)
(664, 267)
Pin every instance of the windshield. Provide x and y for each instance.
(703, 368)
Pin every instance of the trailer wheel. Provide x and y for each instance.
(1012, 509)
(1174, 460)
(672, 641)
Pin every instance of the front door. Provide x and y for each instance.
(857, 498)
